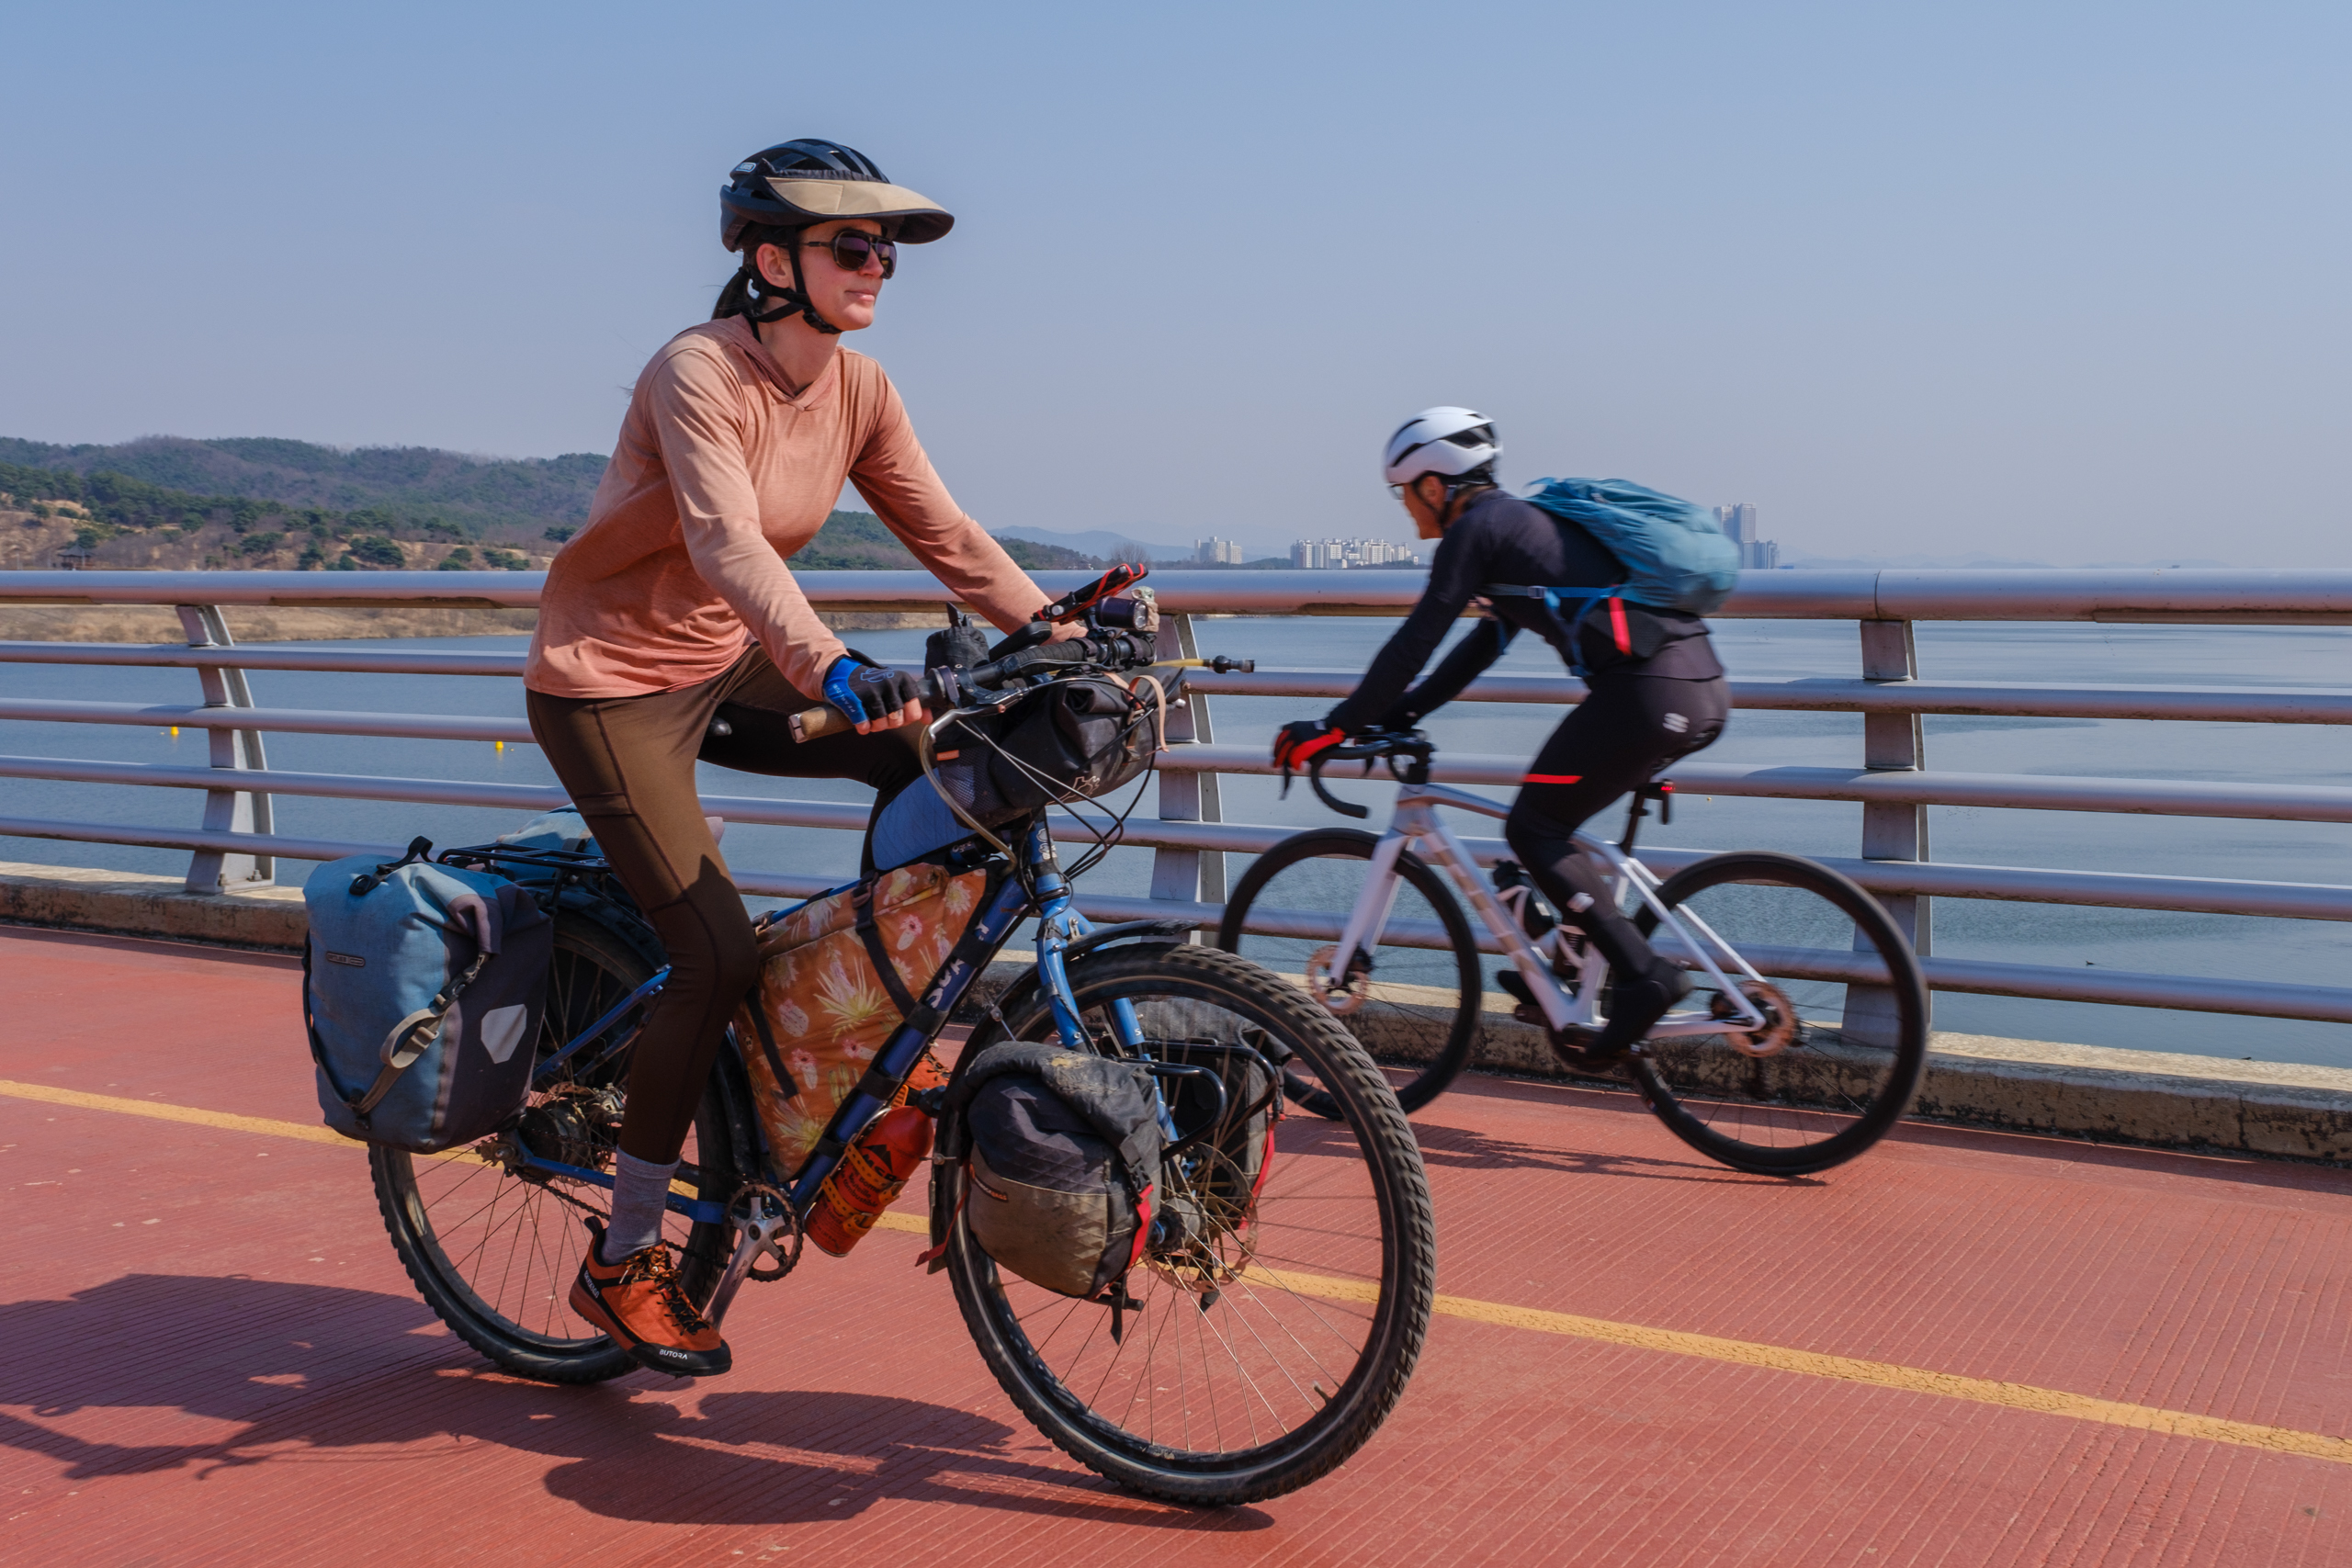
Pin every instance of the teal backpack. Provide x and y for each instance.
(1674, 554)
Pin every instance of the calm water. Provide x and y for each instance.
(2122, 939)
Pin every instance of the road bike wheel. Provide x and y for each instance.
(1840, 1060)
(1273, 1344)
(1416, 1011)
(492, 1251)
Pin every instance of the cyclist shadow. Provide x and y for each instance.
(274, 1371)
(1459, 1148)
(777, 1458)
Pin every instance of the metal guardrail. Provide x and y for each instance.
(235, 843)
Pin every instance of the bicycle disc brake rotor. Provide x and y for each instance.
(1780, 1031)
(1341, 1000)
(1198, 1242)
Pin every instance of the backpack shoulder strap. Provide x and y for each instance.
(1557, 602)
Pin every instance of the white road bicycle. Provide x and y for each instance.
(1799, 1044)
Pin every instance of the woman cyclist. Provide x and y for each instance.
(671, 631)
(1656, 691)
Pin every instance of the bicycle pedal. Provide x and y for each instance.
(1514, 984)
(1574, 1046)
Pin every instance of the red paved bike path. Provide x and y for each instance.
(213, 1356)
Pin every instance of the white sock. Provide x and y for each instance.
(641, 1196)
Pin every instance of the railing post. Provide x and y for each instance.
(1891, 742)
(1187, 875)
(230, 810)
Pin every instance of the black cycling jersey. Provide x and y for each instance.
(1499, 538)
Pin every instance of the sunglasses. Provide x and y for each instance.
(852, 250)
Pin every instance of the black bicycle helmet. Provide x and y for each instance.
(795, 184)
(809, 181)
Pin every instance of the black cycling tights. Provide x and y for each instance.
(1622, 733)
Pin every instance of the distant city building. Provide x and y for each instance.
(1331, 555)
(1738, 524)
(1217, 552)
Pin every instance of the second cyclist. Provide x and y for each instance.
(1657, 690)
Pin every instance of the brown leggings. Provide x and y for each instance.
(629, 765)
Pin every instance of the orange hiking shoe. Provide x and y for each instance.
(640, 1303)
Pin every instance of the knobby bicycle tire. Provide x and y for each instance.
(464, 1226)
(1828, 1097)
(1281, 1286)
(1387, 1032)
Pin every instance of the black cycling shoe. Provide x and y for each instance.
(1635, 1005)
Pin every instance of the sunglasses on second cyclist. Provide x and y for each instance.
(851, 249)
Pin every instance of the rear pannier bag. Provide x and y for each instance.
(422, 988)
(823, 1009)
(1062, 1152)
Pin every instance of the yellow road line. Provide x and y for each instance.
(1847, 1369)
(1635, 1336)
(267, 1127)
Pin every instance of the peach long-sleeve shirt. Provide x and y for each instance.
(720, 473)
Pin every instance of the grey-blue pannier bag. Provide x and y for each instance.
(422, 988)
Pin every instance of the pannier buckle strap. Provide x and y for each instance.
(412, 1037)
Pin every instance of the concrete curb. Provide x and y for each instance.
(2092, 1091)
(128, 904)
(2140, 1097)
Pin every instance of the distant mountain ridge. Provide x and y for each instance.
(498, 494)
(1101, 543)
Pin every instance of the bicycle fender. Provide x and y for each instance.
(1162, 930)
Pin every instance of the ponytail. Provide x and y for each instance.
(734, 299)
(750, 296)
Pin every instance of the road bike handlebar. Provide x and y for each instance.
(1375, 745)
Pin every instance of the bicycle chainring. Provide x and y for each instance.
(758, 1198)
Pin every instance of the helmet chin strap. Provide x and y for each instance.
(786, 299)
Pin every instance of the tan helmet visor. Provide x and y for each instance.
(925, 219)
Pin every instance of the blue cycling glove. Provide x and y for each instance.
(866, 692)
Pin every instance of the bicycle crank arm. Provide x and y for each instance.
(764, 1224)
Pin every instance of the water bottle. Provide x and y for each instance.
(873, 1170)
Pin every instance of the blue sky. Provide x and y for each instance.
(2060, 282)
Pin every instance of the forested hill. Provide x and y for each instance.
(400, 491)
(167, 504)
(497, 496)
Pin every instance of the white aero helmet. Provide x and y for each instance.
(1448, 443)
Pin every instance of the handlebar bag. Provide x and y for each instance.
(824, 1006)
(423, 991)
(1061, 1151)
(1073, 739)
